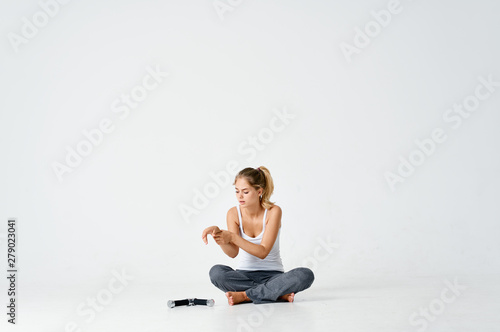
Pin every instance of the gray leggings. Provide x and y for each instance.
(261, 286)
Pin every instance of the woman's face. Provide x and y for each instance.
(246, 194)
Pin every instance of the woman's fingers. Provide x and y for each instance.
(218, 241)
(215, 231)
(219, 238)
(205, 233)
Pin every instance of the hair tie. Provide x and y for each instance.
(258, 168)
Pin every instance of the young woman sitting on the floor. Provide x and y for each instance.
(254, 226)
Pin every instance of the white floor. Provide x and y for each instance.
(343, 304)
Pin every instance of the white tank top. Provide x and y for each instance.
(250, 262)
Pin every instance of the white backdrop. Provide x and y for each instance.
(331, 96)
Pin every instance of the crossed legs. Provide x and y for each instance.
(260, 286)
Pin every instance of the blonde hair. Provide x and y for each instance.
(259, 178)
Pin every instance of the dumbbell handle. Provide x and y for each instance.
(206, 302)
(190, 302)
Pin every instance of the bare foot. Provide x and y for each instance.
(287, 297)
(237, 297)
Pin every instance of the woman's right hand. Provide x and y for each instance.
(209, 230)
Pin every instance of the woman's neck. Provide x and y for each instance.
(253, 211)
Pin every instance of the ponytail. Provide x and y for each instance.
(268, 188)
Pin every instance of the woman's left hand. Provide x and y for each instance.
(222, 237)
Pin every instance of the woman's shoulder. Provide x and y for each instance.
(274, 213)
(232, 214)
(232, 211)
(275, 209)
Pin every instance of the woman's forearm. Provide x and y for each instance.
(252, 248)
(230, 249)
